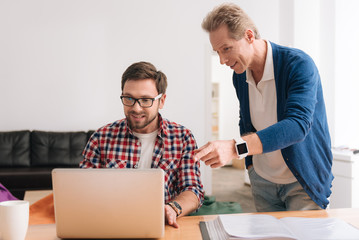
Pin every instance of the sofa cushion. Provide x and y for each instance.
(15, 149)
(57, 148)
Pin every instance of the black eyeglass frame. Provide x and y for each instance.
(138, 100)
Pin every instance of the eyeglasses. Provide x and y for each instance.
(143, 102)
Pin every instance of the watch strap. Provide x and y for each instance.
(240, 140)
(175, 205)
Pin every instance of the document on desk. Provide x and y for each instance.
(264, 226)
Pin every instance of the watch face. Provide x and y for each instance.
(242, 148)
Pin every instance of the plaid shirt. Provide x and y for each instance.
(115, 146)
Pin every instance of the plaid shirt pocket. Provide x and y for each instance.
(115, 163)
(171, 167)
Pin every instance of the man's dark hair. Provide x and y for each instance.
(145, 70)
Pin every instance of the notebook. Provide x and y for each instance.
(109, 203)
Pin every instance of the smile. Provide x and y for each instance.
(137, 117)
(233, 65)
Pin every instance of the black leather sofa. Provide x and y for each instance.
(28, 157)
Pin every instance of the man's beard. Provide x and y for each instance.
(142, 125)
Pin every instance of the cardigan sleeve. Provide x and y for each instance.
(297, 84)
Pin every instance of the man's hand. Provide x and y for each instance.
(216, 153)
(171, 216)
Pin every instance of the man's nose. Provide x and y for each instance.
(222, 59)
(137, 105)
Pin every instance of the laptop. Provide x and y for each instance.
(109, 203)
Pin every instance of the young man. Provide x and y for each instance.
(146, 140)
(283, 122)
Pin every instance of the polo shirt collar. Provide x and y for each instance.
(268, 73)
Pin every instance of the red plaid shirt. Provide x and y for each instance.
(115, 146)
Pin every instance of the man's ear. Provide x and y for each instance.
(249, 35)
(162, 100)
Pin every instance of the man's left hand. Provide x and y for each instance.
(171, 216)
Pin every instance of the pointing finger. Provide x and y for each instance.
(200, 149)
(203, 151)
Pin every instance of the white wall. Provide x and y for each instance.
(346, 64)
(327, 59)
(62, 61)
(327, 31)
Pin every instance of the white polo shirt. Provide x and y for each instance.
(263, 110)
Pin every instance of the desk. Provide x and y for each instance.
(189, 228)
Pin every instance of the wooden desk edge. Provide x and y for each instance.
(189, 225)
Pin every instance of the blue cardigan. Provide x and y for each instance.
(301, 131)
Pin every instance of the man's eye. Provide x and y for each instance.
(146, 100)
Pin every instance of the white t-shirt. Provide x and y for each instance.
(147, 141)
(263, 109)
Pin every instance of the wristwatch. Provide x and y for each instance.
(176, 207)
(241, 148)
